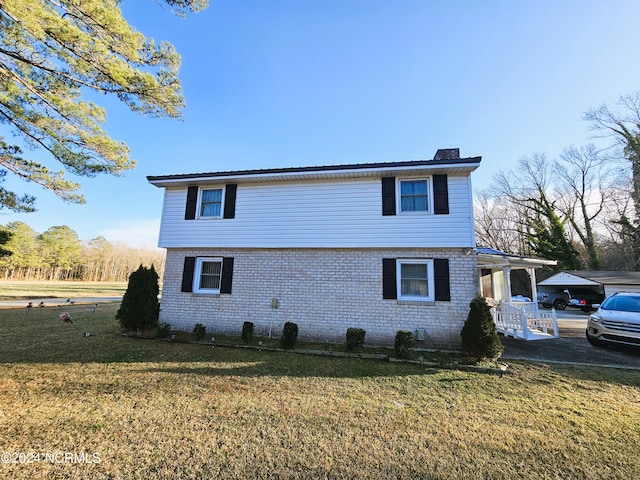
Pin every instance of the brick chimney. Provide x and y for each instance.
(447, 154)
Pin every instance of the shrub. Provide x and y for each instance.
(479, 335)
(402, 343)
(140, 307)
(247, 332)
(199, 331)
(289, 335)
(163, 330)
(355, 338)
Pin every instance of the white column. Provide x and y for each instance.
(534, 288)
(507, 282)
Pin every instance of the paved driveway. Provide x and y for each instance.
(571, 347)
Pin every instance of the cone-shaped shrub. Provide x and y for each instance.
(479, 335)
(140, 307)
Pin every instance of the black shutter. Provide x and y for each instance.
(440, 194)
(388, 195)
(187, 274)
(227, 275)
(230, 200)
(389, 288)
(441, 274)
(192, 200)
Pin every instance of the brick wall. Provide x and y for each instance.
(324, 291)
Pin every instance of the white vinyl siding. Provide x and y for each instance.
(345, 213)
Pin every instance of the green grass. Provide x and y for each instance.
(153, 409)
(24, 290)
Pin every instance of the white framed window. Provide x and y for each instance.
(208, 275)
(415, 279)
(210, 202)
(414, 195)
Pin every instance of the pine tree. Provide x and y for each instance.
(51, 54)
(479, 335)
(140, 307)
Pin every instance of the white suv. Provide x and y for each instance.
(617, 320)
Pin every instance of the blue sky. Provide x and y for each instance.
(285, 83)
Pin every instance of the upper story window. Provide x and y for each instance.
(211, 202)
(414, 195)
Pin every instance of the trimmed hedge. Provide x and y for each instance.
(289, 335)
(247, 332)
(355, 338)
(403, 343)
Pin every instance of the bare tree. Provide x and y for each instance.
(497, 223)
(622, 124)
(582, 179)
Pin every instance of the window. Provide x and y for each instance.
(415, 279)
(414, 195)
(211, 202)
(208, 276)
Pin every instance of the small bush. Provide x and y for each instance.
(163, 330)
(479, 335)
(402, 343)
(289, 335)
(199, 331)
(247, 332)
(355, 338)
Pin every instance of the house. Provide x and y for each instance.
(378, 246)
(607, 282)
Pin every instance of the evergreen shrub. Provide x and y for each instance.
(247, 332)
(479, 335)
(403, 343)
(289, 335)
(355, 338)
(199, 331)
(140, 307)
(164, 329)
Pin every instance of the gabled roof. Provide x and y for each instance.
(440, 164)
(592, 277)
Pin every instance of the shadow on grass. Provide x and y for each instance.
(41, 338)
(290, 364)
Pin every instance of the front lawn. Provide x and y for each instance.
(153, 409)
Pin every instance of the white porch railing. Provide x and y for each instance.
(524, 320)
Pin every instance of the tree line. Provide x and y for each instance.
(581, 208)
(58, 254)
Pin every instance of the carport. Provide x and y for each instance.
(609, 281)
